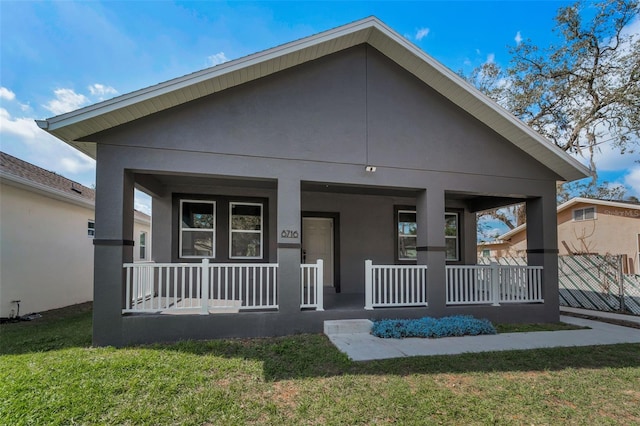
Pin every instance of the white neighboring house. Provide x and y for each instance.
(46, 239)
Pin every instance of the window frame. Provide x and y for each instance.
(142, 246)
(400, 210)
(212, 230)
(456, 237)
(583, 211)
(242, 231)
(411, 209)
(91, 228)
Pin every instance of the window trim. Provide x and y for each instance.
(231, 230)
(212, 230)
(91, 228)
(583, 210)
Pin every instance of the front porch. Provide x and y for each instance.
(261, 257)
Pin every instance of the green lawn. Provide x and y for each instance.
(49, 374)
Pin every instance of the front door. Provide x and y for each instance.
(317, 243)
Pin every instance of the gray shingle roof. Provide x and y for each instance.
(20, 168)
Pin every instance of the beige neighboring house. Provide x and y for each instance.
(46, 238)
(585, 226)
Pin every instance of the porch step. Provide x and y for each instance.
(347, 326)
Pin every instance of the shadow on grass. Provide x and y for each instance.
(313, 355)
(307, 356)
(67, 327)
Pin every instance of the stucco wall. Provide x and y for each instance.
(613, 231)
(46, 256)
(319, 123)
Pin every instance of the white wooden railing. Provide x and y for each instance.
(394, 285)
(493, 284)
(204, 287)
(312, 281)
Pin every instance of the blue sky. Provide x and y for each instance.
(60, 56)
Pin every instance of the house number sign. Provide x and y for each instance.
(289, 233)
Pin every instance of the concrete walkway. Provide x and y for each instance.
(599, 314)
(353, 338)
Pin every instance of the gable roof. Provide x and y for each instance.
(22, 174)
(572, 202)
(74, 127)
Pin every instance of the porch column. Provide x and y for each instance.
(431, 246)
(289, 245)
(542, 248)
(113, 246)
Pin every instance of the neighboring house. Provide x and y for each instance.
(347, 146)
(585, 226)
(47, 228)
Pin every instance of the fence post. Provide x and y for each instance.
(204, 296)
(320, 286)
(368, 285)
(495, 283)
(623, 308)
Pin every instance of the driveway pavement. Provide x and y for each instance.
(353, 338)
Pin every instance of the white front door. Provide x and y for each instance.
(317, 243)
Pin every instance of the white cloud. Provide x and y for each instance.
(44, 149)
(101, 91)
(217, 59)
(491, 57)
(7, 94)
(632, 180)
(422, 33)
(518, 38)
(66, 100)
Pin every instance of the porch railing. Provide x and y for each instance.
(201, 287)
(312, 281)
(493, 284)
(395, 285)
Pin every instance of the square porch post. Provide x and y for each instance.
(542, 248)
(289, 244)
(431, 246)
(113, 246)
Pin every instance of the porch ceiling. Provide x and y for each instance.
(358, 189)
(157, 183)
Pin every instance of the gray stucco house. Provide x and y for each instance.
(336, 176)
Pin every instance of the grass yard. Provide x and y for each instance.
(50, 375)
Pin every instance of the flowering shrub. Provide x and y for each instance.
(458, 325)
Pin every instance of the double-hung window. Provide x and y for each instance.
(143, 245)
(245, 230)
(588, 213)
(451, 236)
(91, 228)
(407, 235)
(197, 228)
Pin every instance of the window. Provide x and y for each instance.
(245, 231)
(407, 235)
(91, 228)
(197, 228)
(486, 253)
(451, 235)
(588, 213)
(143, 245)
